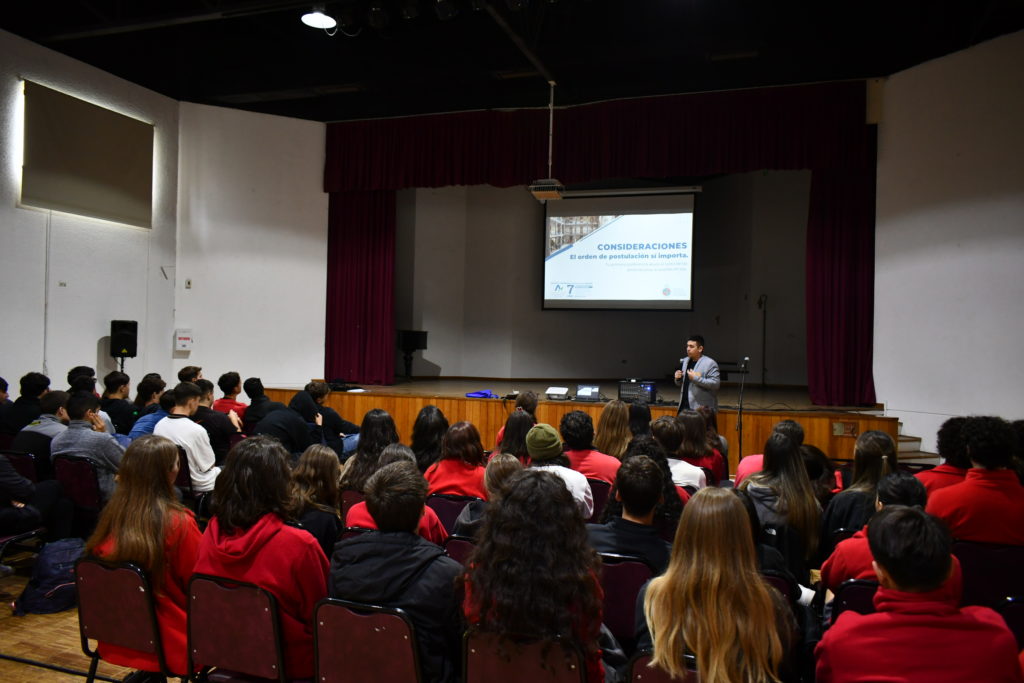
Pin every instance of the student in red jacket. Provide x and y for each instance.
(145, 524)
(988, 506)
(918, 634)
(247, 540)
(460, 470)
(955, 463)
(852, 558)
(577, 429)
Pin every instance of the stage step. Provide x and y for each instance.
(909, 444)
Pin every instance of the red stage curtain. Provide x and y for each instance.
(819, 127)
(360, 334)
(841, 286)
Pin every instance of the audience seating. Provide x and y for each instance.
(6, 440)
(448, 506)
(857, 595)
(23, 463)
(459, 548)
(991, 572)
(622, 577)
(915, 467)
(638, 671)
(366, 643)
(1012, 611)
(599, 490)
(116, 605)
(37, 444)
(490, 658)
(17, 541)
(78, 477)
(349, 497)
(234, 627)
(787, 587)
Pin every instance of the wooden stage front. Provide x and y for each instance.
(833, 429)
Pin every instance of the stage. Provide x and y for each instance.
(834, 429)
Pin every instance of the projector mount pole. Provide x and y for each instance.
(739, 413)
(551, 123)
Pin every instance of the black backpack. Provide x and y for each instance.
(52, 586)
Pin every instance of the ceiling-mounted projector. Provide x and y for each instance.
(546, 188)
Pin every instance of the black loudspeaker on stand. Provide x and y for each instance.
(124, 339)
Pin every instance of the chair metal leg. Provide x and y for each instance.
(92, 668)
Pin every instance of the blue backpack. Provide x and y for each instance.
(52, 585)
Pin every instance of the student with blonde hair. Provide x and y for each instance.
(144, 523)
(318, 494)
(712, 602)
(613, 435)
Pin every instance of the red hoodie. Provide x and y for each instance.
(282, 559)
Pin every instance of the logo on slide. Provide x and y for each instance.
(667, 291)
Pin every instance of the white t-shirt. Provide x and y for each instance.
(685, 474)
(577, 484)
(196, 442)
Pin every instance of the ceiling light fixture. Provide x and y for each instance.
(316, 18)
(445, 9)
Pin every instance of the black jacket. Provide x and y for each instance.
(19, 414)
(258, 409)
(288, 427)
(622, 537)
(14, 487)
(401, 569)
(334, 425)
(219, 427)
(122, 412)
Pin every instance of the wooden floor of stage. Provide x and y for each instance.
(755, 397)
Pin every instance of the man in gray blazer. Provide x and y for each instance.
(700, 381)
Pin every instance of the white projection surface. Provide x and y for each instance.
(619, 252)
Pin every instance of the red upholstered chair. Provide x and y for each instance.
(17, 541)
(116, 605)
(784, 584)
(79, 479)
(622, 577)
(459, 548)
(600, 490)
(640, 671)
(6, 440)
(349, 497)
(366, 643)
(490, 658)
(234, 626)
(857, 595)
(448, 506)
(991, 572)
(184, 478)
(23, 463)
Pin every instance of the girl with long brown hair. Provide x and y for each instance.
(712, 602)
(613, 435)
(318, 495)
(143, 523)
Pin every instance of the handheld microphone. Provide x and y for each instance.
(746, 361)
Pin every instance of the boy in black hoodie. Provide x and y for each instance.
(395, 567)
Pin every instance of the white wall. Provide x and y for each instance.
(252, 238)
(950, 238)
(469, 272)
(63, 278)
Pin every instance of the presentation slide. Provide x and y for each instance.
(619, 252)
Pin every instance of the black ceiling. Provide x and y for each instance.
(256, 55)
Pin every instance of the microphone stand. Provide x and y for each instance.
(739, 413)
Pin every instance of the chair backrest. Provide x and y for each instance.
(358, 642)
(116, 606)
(235, 439)
(1012, 611)
(915, 467)
(782, 583)
(622, 577)
(840, 535)
(349, 497)
(184, 479)
(448, 506)
(857, 595)
(459, 548)
(6, 440)
(600, 490)
(234, 626)
(23, 463)
(991, 572)
(78, 477)
(640, 671)
(490, 658)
